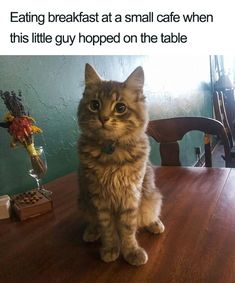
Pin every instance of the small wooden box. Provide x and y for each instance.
(4, 207)
(31, 204)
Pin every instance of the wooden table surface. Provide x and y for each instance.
(197, 246)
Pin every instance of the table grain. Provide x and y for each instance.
(198, 245)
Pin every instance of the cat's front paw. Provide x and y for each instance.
(156, 227)
(137, 256)
(109, 254)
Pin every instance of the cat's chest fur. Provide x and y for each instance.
(93, 155)
(115, 177)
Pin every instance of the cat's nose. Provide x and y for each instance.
(103, 119)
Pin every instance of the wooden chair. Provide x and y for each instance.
(168, 131)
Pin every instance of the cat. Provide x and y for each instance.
(116, 181)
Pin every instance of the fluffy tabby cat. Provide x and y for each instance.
(117, 189)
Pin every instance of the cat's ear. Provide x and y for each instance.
(136, 79)
(91, 76)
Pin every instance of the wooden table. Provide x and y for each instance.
(197, 246)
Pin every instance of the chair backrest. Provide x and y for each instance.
(220, 113)
(168, 131)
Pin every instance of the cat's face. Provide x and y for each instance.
(112, 110)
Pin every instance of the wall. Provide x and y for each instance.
(53, 85)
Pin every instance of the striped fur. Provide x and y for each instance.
(117, 189)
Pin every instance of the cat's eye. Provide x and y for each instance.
(120, 107)
(94, 105)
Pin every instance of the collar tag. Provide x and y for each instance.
(108, 148)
